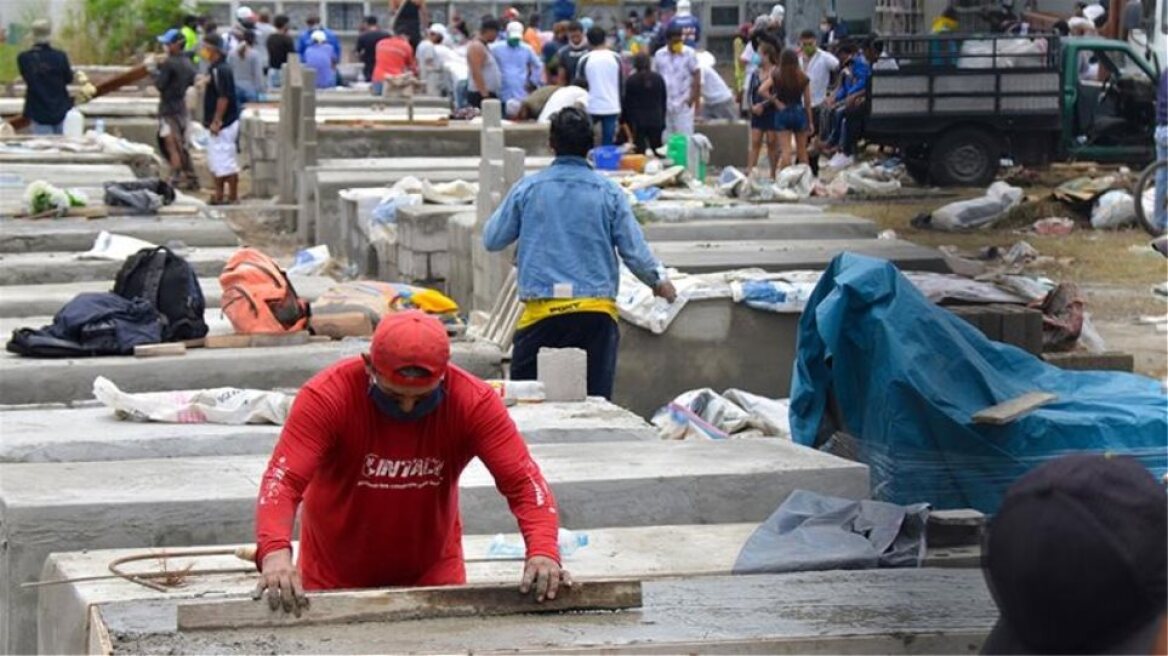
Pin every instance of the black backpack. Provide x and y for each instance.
(94, 323)
(168, 283)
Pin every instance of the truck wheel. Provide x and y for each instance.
(965, 157)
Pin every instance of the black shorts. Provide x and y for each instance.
(475, 99)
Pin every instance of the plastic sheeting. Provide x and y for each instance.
(907, 376)
(220, 405)
(811, 531)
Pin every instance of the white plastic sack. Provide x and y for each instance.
(311, 261)
(771, 416)
(457, 192)
(703, 413)
(221, 405)
(1114, 209)
(794, 182)
(978, 212)
(1011, 53)
(109, 246)
(386, 210)
(866, 179)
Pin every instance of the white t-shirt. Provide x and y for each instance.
(714, 88)
(818, 70)
(602, 70)
(565, 97)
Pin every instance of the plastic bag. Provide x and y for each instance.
(221, 405)
(1114, 209)
(978, 212)
(457, 192)
(864, 179)
(386, 210)
(142, 196)
(794, 182)
(311, 261)
(703, 413)
(109, 246)
(772, 295)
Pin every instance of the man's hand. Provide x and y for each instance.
(216, 126)
(280, 580)
(666, 290)
(543, 577)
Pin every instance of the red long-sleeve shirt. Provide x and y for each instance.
(380, 496)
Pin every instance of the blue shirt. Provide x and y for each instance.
(563, 10)
(691, 29)
(570, 223)
(858, 80)
(304, 39)
(319, 57)
(518, 66)
(46, 74)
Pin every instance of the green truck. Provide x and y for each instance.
(957, 105)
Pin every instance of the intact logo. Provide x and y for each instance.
(409, 473)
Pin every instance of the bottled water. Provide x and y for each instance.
(99, 126)
(570, 542)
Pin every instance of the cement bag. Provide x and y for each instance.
(864, 179)
(1114, 209)
(221, 405)
(701, 413)
(771, 416)
(386, 210)
(376, 299)
(977, 212)
(458, 192)
(772, 295)
(794, 182)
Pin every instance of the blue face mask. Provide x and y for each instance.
(390, 408)
(756, 59)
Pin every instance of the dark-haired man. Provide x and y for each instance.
(172, 77)
(483, 78)
(279, 46)
(571, 222)
(371, 35)
(568, 58)
(600, 71)
(371, 455)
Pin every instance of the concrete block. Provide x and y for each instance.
(564, 373)
(49, 435)
(896, 611)
(423, 230)
(36, 300)
(808, 226)
(460, 274)
(775, 256)
(30, 380)
(194, 501)
(25, 235)
(412, 265)
(651, 370)
(439, 265)
(58, 267)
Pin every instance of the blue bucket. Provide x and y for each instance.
(606, 158)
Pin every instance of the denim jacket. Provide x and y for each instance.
(571, 222)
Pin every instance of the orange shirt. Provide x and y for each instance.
(394, 57)
(531, 38)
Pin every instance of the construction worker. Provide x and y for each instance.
(47, 74)
(570, 223)
(374, 447)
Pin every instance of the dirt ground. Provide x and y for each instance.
(1116, 270)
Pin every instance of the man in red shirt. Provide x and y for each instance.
(394, 57)
(374, 447)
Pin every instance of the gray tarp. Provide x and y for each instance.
(810, 531)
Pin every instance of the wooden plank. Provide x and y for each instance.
(247, 340)
(1004, 413)
(99, 643)
(158, 350)
(342, 324)
(227, 341)
(401, 604)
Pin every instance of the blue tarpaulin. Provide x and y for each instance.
(908, 375)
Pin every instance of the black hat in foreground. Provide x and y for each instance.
(1077, 559)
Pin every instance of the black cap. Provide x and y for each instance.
(213, 40)
(1077, 559)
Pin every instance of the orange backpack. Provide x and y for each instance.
(258, 297)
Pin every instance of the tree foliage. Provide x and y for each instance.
(117, 31)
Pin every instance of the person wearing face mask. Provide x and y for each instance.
(690, 26)
(678, 64)
(520, 69)
(371, 455)
(569, 56)
(831, 31)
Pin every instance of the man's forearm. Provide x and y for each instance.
(220, 110)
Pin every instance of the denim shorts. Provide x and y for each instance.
(793, 118)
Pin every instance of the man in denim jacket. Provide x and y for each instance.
(571, 222)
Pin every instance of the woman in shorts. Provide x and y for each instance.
(790, 91)
(762, 110)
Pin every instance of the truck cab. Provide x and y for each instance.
(1032, 98)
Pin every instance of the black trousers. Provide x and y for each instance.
(594, 332)
(475, 99)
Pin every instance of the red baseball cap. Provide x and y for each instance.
(410, 339)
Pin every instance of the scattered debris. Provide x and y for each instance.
(1087, 189)
(1062, 317)
(705, 414)
(888, 234)
(311, 261)
(1114, 209)
(1020, 254)
(1053, 226)
(223, 405)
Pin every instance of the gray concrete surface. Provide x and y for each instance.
(22, 235)
(61, 267)
(632, 552)
(809, 226)
(892, 611)
(46, 508)
(32, 380)
(773, 256)
(41, 300)
(50, 435)
(18, 175)
(713, 343)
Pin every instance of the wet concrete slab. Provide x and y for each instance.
(894, 611)
(46, 508)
